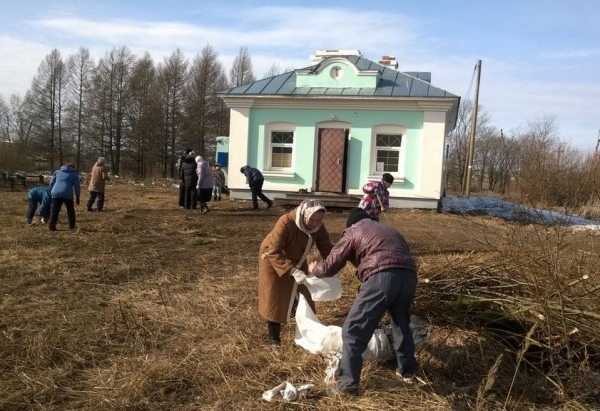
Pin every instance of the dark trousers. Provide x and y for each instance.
(181, 194)
(92, 198)
(389, 291)
(190, 197)
(32, 206)
(204, 196)
(55, 210)
(256, 190)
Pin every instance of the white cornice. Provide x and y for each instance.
(437, 105)
(337, 102)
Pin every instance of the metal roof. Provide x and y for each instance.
(392, 83)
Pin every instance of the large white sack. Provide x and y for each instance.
(327, 339)
(324, 289)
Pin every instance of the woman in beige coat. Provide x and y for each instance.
(98, 179)
(282, 263)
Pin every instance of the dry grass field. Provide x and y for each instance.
(150, 307)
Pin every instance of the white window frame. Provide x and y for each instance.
(388, 129)
(270, 128)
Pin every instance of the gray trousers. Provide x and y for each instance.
(389, 291)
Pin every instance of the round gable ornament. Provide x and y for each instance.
(336, 72)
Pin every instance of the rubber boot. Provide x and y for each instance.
(274, 334)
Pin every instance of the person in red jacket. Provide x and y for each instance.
(388, 275)
(376, 196)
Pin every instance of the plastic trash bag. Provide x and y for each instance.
(287, 391)
(327, 339)
(322, 339)
(324, 289)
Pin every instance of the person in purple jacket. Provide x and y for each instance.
(388, 275)
(64, 182)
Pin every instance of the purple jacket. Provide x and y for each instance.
(371, 247)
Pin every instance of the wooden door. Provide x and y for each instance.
(331, 171)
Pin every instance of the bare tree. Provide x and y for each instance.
(273, 71)
(173, 77)
(142, 116)
(207, 78)
(241, 71)
(4, 121)
(45, 101)
(80, 69)
(111, 100)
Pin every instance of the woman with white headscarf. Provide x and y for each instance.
(282, 263)
(205, 184)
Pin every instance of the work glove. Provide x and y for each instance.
(77, 201)
(299, 275)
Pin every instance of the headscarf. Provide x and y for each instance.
(305, 210)
(199, 159)
(101, 160)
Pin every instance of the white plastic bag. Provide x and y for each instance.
(324, 289)
(327, 339)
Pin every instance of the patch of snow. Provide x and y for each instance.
(512, 211)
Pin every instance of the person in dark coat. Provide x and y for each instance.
(189, 179)
(187, 153)
(255, 180)
(388, 275)
(282, 263)
(64, 182)
(41, 196)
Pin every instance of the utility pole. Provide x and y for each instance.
(467, 182)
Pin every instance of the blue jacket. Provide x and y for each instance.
(41, 195)
(63, 182)
(252, 175)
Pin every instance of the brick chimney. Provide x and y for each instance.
(389, 62)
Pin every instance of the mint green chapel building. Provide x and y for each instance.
(333, 126)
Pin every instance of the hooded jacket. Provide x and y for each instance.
(371, 247)
(280, 251)
(252, 175)
(42, 196)
(63, 182)
(188, 172)
(98, 178)
(205, 178)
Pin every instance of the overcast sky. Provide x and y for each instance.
(539, 58)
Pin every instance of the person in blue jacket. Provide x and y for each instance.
(255, 180)
(64, 182)
(41, 196)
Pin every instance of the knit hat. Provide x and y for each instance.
(218, 165)
(355, 215)
(388, 178)
(101, 160)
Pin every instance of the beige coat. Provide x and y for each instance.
(281, 250)
(98, 178)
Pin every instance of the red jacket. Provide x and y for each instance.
(371, 247)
